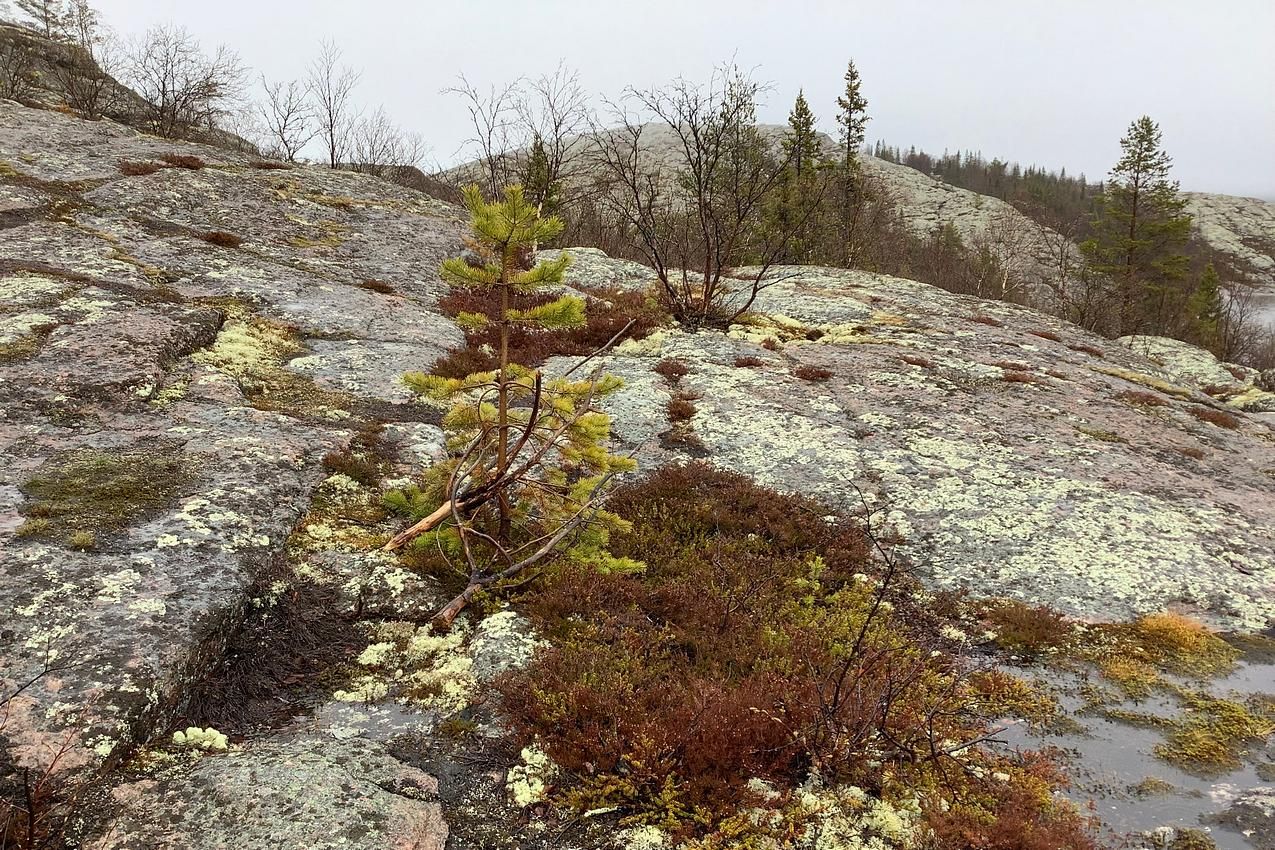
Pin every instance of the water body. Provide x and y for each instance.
(1108, 760)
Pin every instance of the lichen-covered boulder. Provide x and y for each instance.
(1017, 454)
(303, 794)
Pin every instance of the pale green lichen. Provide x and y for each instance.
(197, 738)
(528, 782)
(415, 665)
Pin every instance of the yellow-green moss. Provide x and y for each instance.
(1212, 733)
(86, 491)
(1145, 380)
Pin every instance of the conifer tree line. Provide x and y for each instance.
(681, 177)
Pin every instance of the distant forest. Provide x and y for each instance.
(1053, 198)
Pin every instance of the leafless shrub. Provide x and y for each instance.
(184, 89)
(697, 219)
(286, 117)
(17, 71)
(331, 89)
(749, 361)
(493, 115)
(380, 147)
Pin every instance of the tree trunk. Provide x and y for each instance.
(442, 621)
(440, 514)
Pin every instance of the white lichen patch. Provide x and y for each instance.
(415, 666)
(529, 781)
(848, 818)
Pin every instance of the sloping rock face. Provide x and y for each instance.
(1024, 246)
(1242, 231)
(179, 350)
(1019, 455)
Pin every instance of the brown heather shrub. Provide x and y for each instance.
(1220, 390)
(1022, 378)
(1190, 451)
(1220, 418)
(680, 409)
(771, 344)
(1141, 398)
(671, 370)
(1022, 814)
(179, 160)
(663, 692)
(222, 239)
(749, 361)
(1062, 376)
(987, 320)
(606, 313)
(1088, 349)
(269, 165)
(130, 168)
(1028, 630)
(1236, 372)
(814, 374)
(1011, 365)
(378, 286)
(915, 360)
(1049, 335)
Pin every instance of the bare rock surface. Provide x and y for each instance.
(179, 351)
(302, 794)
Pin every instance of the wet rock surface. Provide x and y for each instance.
(128, 330)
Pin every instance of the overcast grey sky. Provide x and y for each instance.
(1041, 81)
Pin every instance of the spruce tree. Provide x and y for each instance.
(853, 119)
(852, 116)
(798, 194)
(541, 190)
(1140, 232)
(1204, 310)
(528, 468)
(801, 141)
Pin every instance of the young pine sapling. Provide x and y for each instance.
(529, 469)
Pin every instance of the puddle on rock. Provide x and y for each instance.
(1111, 762)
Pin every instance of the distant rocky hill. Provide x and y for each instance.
(193, 341)
(1242, 232)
